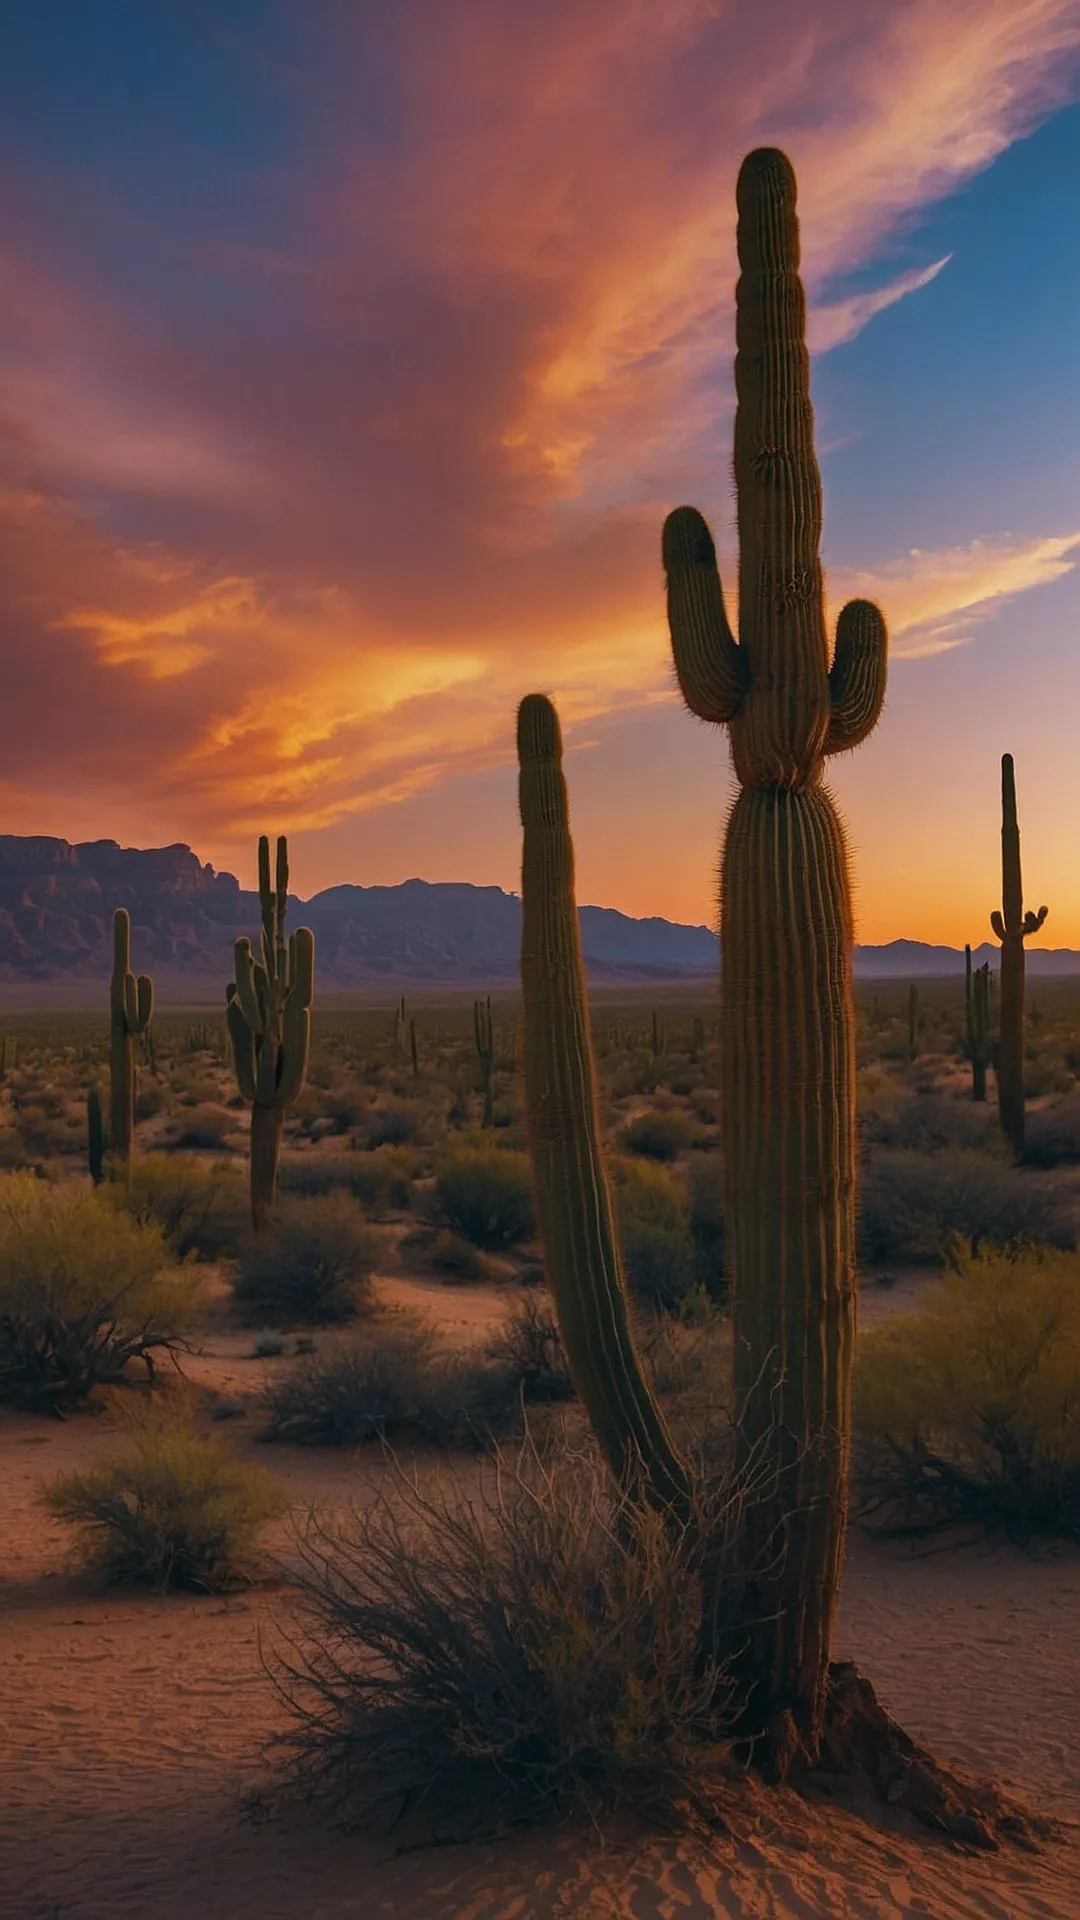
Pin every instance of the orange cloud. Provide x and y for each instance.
(306, 559)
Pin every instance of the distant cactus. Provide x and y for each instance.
(697, 1042)
(95, 1136)
(787, 1021)
(573, 1200)
(1012, 926)
(485, 1053)
(977, 1012)
(400, 1027)
(413, 1050)
(268, 1014)
(9, 1056)
(657, 1038)
(131, 1007)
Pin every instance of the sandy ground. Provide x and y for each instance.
(131, 1723)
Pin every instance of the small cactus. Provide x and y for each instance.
(977, 1012)
(1012, 926)
(131, 1007)
(485, 1053)
(268, 1015)
(913, 1022)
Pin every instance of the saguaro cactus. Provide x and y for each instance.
(977, 1012)
(485, 1053)
(268, 1014)
(573, 1200)
(131, 1007)
(1012, 926)
(95, 1136)
(787, 1023)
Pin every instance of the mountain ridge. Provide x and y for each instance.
(57, 899)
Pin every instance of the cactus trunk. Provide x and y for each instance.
(1012, 927)
(787, 1038)
(131, 1003)
(266, 1126)
(573, 1200)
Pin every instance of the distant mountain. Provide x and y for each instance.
(57, 901)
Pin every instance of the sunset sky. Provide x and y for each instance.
(352, 352)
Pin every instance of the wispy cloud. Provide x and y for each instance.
(936, 600)
(303, 537)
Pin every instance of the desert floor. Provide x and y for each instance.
(131, 1723)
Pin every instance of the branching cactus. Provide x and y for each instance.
(268, 1014)
(131, 1008)
(787, 1022)
(1012, 926)
(573, 1200)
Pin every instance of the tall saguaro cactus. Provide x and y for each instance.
(484, 1038)
(268, 1014)
(131, 1008)
(787, 1056)
(573, 1200)
(1012, 926)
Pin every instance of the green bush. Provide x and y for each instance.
(84, 1290)
(177, 1509)
(456, 1257)
(390, 1380)
(525, 1646)
(398, 1124)
(312, 1264)
(970, 1410)
(658, 1136)
(201, 1207)
(654, 1234)
(485, 1194)
(911, 1203)
(931, 1122)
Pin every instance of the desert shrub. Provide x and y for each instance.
(654, 1234)
(177, 1508)
(658, 1136)
(529, 1347)
(930, 1122)
(381, 1180)
(149, 1101)
(84, 1290)
(705, 1218)
(456, 1257)
(313, 1263)
(390, 1380)
(200, 1208)
(910, 1204)
(344, 1106)
(1053, 1135)
(1046, 1073)
(485, 1194)
(207, 1127)
(397, 1124)
(520, 1647)
(970, 1410)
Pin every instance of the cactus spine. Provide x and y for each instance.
(1012, 926)
(786, 1053)
(268, 1015)
(573, 1200)
(131, 1008)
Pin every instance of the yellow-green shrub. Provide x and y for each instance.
(84, 1290)
(177, 1508)
(970, 1410)
(201, 1208)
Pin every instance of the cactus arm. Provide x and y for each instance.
(857, 675)
(997, 925)
(243, 1043)
(145, 1001)
(245, 986)
(581, 1251)
(131, 1003)
(295, 1046)
(1033, 921)
(710, 669)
